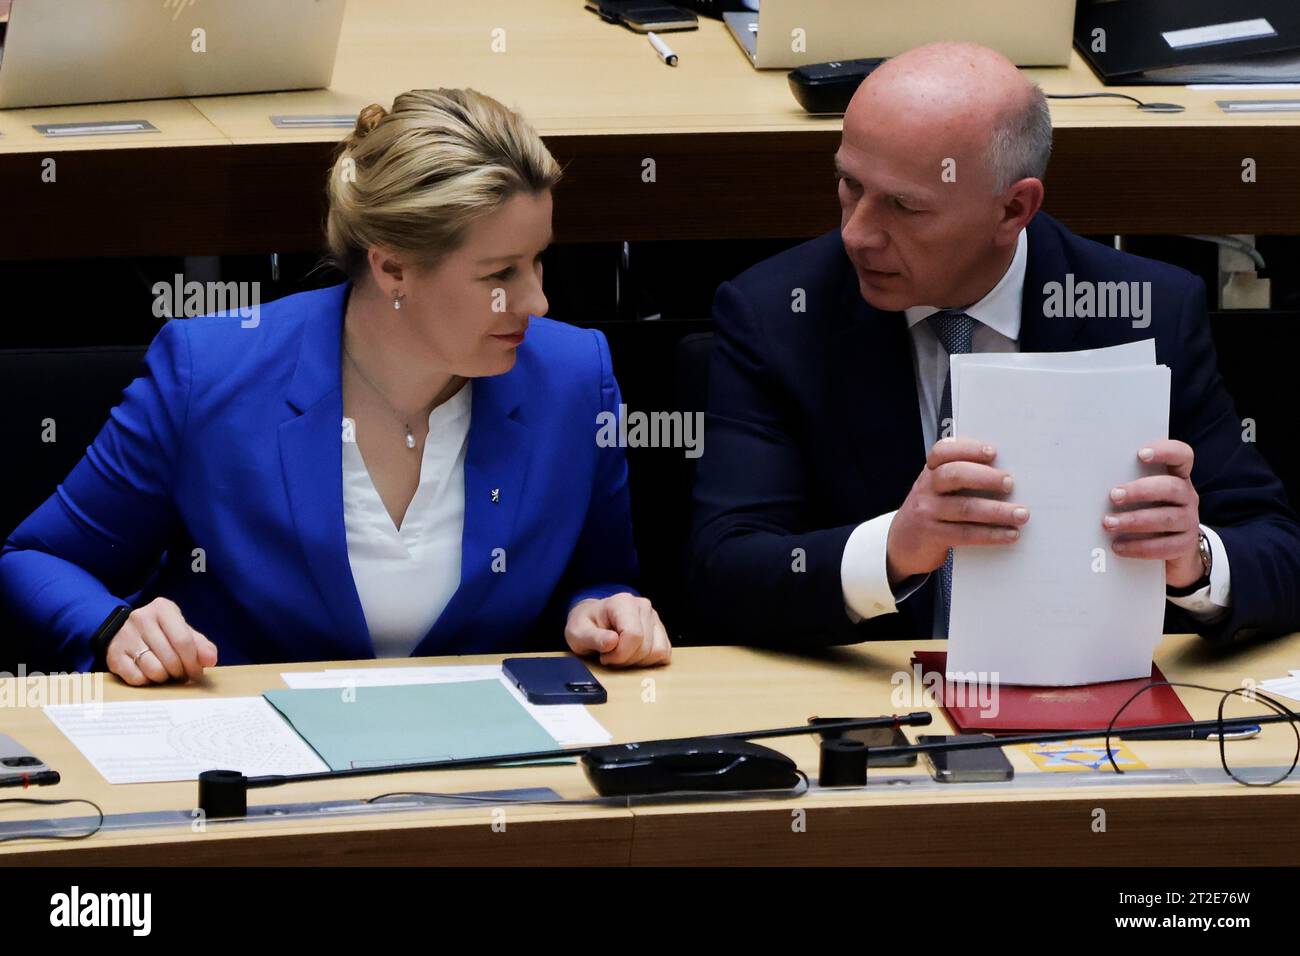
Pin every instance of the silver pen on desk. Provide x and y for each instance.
(1237, 731)
(663, 49)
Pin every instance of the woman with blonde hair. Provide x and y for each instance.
(402, 464)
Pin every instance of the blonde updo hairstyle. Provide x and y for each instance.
(414, 179)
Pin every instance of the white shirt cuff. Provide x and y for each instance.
(1212, 600)
(864, 575)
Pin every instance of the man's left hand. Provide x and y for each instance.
(1164, 523)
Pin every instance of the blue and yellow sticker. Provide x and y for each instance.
(1068, 755)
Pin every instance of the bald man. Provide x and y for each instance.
(832, 493)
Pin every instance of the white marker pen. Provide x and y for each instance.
(665, 52)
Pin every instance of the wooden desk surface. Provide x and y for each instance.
(721, 131)
(570, 74)
(716, 690)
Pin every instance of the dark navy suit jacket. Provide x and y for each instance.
(813, 426)
(232, 443)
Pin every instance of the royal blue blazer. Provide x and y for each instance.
(231, 443)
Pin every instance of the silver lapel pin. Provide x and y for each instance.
(496, 496)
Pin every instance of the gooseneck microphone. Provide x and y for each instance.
(705, 761)
(715, 762)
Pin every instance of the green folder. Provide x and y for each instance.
(410, 723)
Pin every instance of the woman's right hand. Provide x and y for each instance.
(156, 645)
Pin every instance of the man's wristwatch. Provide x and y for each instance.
(1207, 563)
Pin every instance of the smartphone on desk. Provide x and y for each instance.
(987, 765)
(644, 16)
(554, 680)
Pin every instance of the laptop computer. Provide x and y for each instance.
(785, 34)
(1192, 41)
(93, 51)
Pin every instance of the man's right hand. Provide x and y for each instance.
(156, 645)
(939, 512)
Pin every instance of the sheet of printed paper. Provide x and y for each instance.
(163, 740)
(1282, 686)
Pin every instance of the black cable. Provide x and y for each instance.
(1250, 693)
(51, 803)
(1148, 107)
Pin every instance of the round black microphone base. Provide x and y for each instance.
(223, 793)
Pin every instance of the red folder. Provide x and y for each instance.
(1029, 709)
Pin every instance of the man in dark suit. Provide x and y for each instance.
(831, 493)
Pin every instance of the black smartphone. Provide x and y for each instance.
(986, 765)
(644, 16)
(873, 737)
(554, 680)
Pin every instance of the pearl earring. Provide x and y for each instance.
(397, 299)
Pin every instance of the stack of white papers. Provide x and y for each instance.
(1058, 607)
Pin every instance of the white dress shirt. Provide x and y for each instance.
(406, 576)
(863, 575)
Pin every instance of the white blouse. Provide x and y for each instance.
(405, 577)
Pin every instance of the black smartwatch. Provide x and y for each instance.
(104, 636)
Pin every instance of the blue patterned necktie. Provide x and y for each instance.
(954, 331)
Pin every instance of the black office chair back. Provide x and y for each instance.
(693, 353)
(55, 401)
(1255, 370)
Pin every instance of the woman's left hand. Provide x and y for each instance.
(623, 629)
